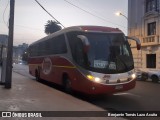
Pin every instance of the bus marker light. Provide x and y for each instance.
(90, 77)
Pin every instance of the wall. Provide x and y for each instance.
(138, 21)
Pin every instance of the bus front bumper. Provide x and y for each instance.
(96, 88)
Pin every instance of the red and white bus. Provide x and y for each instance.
(89, 59)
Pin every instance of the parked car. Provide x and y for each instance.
(142, 75)
(154, 75)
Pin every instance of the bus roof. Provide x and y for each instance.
(81, 28)
(92, 28)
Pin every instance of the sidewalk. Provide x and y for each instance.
(29, 95)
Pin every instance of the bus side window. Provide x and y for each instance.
(42, 49)
(35, 50)
(58, 45)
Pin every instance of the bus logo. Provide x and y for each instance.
(106, 77)
(46, 66)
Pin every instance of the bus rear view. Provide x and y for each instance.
(101, 60)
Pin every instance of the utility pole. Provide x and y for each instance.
(8, 81)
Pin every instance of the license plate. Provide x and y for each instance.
(118, 87)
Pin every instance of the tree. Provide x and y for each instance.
(51, 27)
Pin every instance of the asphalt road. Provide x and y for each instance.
(144, 97)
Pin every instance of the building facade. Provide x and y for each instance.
(3, 45)
(3, 39)
(144, 23)
(18, 52)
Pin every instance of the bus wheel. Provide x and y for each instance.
(67, 86)
(155, 79)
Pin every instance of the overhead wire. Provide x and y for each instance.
(6, 23)
(25, 27)
(4, 14)
(91, 9)
(49, 13)
(92, 14)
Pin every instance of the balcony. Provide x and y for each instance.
(151, 14)
(151, 7)
(150, 40)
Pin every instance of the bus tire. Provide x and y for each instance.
(67, 84)
(37, 75)
(155, 78)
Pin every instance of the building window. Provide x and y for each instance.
(152, 28)
(151, 60)
(151, 5)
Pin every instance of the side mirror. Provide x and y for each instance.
(138, 43)
(85, 42)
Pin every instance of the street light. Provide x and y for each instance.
(121, 14)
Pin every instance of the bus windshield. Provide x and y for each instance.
(108, 53)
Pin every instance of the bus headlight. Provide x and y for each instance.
(133, 76)
(95, 79)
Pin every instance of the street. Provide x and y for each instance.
(145, 96)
